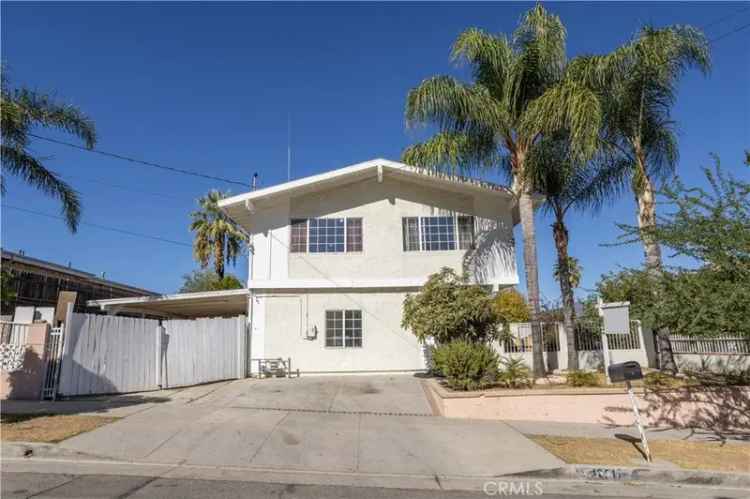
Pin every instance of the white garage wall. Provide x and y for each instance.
(291, 320)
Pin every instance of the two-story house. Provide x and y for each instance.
(334, 255)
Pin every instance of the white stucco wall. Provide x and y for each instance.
(381, 207)
(290, 319)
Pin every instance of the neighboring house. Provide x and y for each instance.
(333, 256)
(37, 283)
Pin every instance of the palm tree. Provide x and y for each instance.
(216, 236)
(566, 185)
(638, 87)
(520, 92)
(21, 110)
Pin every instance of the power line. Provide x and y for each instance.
(123, 188)
(141, 162)
(724, 18)
(736, 30)
(101, 227)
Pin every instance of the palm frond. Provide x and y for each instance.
(454, 153)
(45, 111)
(29, 169)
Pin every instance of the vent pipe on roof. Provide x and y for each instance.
(255, 180)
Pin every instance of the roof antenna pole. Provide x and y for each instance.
(288, 147)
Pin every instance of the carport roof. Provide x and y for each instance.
(183, 305)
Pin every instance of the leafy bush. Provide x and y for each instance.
(467, 365)
(511, 306)
(449, 308)
(515, 373)
(582, 378)
(208, 280)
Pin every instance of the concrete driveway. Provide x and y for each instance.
(356, 424)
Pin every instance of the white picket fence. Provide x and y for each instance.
(110, 354)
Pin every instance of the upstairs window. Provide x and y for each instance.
(326, 235)
(439, 233)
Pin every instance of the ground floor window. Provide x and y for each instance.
(343, 328)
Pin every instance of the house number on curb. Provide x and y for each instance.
(606, 474)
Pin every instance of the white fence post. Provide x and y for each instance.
(241, 355)
(159, 336)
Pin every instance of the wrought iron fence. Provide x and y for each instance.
(588, 337)
(521, 340)
(716, 345)
(52, 361)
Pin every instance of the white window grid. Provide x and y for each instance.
(343, 329)
(437, 233)
(328, 235)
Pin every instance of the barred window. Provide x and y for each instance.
(298, 243)
(353, 234)
(344, 328)
(465, 232)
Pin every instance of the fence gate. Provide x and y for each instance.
(52, 357)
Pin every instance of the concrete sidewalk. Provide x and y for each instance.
(610, 431)
(347, 429)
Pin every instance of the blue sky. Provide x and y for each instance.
(208, 87)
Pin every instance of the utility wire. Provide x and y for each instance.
(724, 18)
(122, 187)
(141, 162)
(736, 30)
(97, 226)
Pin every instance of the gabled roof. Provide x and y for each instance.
(374, 167)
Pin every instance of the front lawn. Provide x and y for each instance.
(714, 456)
(46, 427)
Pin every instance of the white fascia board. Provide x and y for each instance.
(134, 300)
(375, 165)
(350, 284)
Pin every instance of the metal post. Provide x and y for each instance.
(605, 355)
(633, 401)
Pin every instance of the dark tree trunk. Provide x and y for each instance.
(219, 257)
(566, 291)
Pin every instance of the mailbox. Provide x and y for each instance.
(626, 371)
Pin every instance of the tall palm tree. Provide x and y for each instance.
(217, 238)
(520, 92)
(638, 87)
(569, 185)
(21, 110)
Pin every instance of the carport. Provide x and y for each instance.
(225, 303)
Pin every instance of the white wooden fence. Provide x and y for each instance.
(202, 350)
(110, 354)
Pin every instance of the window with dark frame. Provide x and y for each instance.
(326, 235)
(298, 242)
(344, 328)
(438, 233)
(353, 234)
(465, 232)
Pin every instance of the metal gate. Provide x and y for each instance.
(52, 358)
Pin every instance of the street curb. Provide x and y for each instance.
(43, 450)
(593, 472)
(38, 452)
